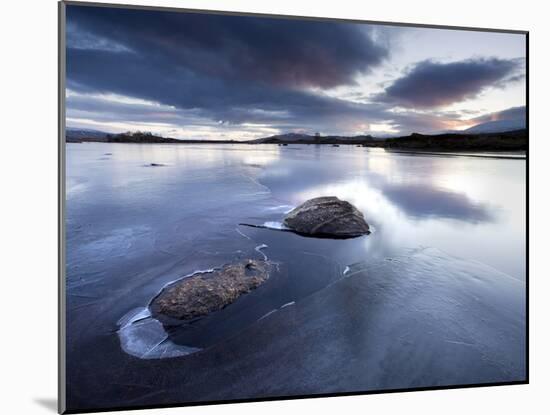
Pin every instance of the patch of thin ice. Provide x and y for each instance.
(144, 337)
(281, 208)
(275, 225)
(259, 250)
(276, 309)
(242, 234)
(267, 314)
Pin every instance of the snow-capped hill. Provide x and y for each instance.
(496, 126)
(80, 133)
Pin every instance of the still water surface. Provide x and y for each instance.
(132, 228)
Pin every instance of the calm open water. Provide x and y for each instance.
(132, 228)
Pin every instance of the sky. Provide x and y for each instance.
(208, 76)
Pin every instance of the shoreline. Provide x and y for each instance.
(448, 142)
(504, 156)
(494, 153)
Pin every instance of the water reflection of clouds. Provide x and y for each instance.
(377, 183)
(194, 156)
(395, 201)
(460, 205)
(414, 184)
(402, 224)
(423, 201)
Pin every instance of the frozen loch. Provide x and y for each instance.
(433, 296)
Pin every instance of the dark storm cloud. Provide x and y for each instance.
(236, 102)
(432, 84)
(233, 69)
(275, 51)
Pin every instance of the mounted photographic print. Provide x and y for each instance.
(258, 207)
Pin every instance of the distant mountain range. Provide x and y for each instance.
(480, 137)
(80, 134)
(297, 138)
(77, 135)
(496, 126)
(74, 135)
(499, 126)
(289, 137)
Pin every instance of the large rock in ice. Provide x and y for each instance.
(327, 217)
(204, 293)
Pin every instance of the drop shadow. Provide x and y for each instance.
(48, 403)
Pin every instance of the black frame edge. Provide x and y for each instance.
(285, 16)
(527, 278)
(61, 332)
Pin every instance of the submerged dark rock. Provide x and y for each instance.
(327, 217)
(204, 293)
